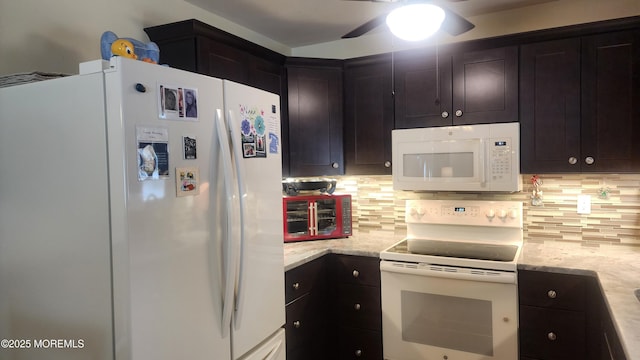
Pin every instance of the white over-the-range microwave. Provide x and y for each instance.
(472, 158)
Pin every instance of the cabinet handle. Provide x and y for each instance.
(458, 113)
(552, 336)
(387, 164)
(552, 294)
(356, 273)
(356, 306)
(335, 165)
(573, 160)
(589, 160)
(444, 114)
(358, 353)
(296, 286)
(296, 324)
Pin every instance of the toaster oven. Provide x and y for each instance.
(314, 217)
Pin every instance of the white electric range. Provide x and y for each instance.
(449, 289)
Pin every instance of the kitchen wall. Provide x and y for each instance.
(613, 220)
(55, 36)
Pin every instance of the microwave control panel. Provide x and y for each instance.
(501, 159)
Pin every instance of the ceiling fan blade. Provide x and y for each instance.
(366, 27)
(455, 24)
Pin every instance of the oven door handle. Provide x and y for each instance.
(449, 272)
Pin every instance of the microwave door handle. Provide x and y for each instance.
(483, 153)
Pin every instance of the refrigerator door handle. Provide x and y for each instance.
(240, 179)
(232, 224)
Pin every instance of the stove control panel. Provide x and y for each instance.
(464, 212)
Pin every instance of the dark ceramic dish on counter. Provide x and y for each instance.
(293, 187)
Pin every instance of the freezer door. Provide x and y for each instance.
(167, 247)
(254, 121)
(55, 274)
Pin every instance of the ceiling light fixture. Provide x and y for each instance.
(415, 22)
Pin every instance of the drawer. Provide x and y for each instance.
(552, 333)
(303, 328)
(559, 291)
(358, 344)
(302, 279)
(359, 306)
(357, 270)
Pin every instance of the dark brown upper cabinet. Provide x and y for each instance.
(550, 105)
(368, 117)
(580, 104)
(195, 46)
(456, 86)
(611, 102)
(315, 117)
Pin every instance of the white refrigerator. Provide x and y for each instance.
(140, 217)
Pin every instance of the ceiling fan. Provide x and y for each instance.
(453, 23)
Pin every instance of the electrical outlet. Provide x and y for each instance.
(584, 204)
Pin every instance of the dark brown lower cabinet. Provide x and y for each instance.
(306, 312)
(564, 316)
(333, 309)
(552, 333)
(610, 345)
(357, 344)
(356, 303)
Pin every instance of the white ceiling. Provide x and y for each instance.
(297, 23)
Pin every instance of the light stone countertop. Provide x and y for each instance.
(617, 268)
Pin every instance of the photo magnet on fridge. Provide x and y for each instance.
(189, 147)
(153, 153)
(177, 102)
(253, 132)
(187, 181)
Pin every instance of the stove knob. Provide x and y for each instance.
(502, 214)
(417, 213)
(513, 214)
(491, 214)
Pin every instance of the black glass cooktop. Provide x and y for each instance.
(465, 250)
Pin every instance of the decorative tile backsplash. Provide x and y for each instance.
(614, 217)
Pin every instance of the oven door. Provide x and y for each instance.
(437, 312)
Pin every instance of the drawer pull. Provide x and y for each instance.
(552, 336)
(356, 273)
(358, 353)
(296, 286)
(552, 294)
(356, 306)
(296, 324)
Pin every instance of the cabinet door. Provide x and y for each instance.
(222, 61)
(611, 348)
(422, 83)
(485, 86)
(550, 106)
(358, 344)
(266, 75)
(306, 311)
(356, 270)
(611, 102)
(368, 118)
(552, 334)
(315, 121)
